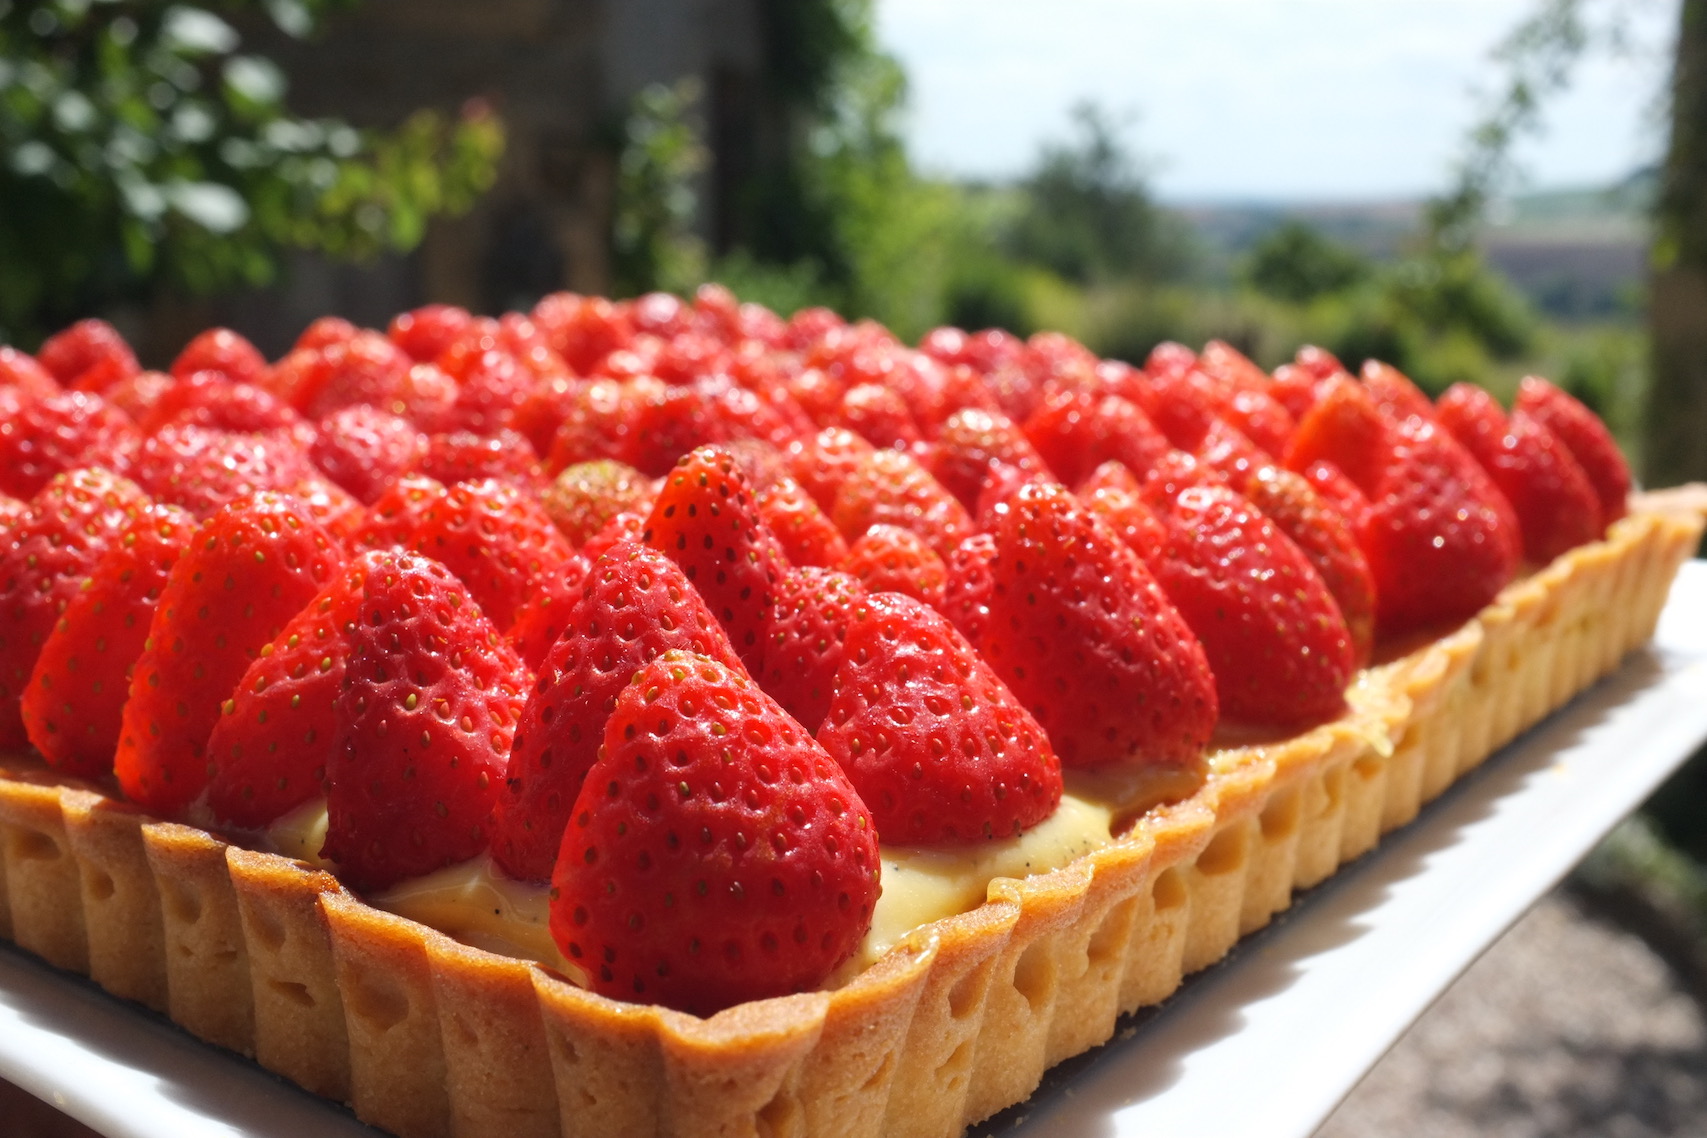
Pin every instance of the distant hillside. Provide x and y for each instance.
(1577, 253)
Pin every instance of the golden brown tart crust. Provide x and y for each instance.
(425, 1036)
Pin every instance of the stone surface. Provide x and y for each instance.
(1567, 1026)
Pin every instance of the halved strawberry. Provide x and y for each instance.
(889, 487)
(1556, 504)
(807, 628)
(1394, 393)
(20, 370)
(635, 604)
(542, 617)
(705, 520)
(41, 436)
(807, 537)
(890, 559)
(1590, 443)
(717, 854)
(497, 539)
(935, 743)
(89, 350)
(78, 687)
(202, 469)
(223, 351)
(822, 463)
(1084, 637)
(1075, 431)
(427, 331)
(584, 497)
(970, 442)
(430, 702)
(363, 449)
(1278, 647)
(248, 570)
(275, 734)
(463, 456)
(46, 558)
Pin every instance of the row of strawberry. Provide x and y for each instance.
(1067, 618)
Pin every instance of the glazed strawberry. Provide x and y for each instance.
(396, 515)
(1279, 650)
(626, 526)
(429, 706)
(890, 488)
(463, 456)
(807, 628)
(970, 442)
(364, 449)
(1393, 392)
(635, 604)
(598, 420)
(542, 617)
(77, 689)
(1590, 443)
(971, 583)
(1123, 511)
(341, 515)
(497, 539)
(706, 521)
(822, 463)
(20, 370)
(427, 331)
(220, 350)
(490, 390)
(1556, 504)
(366, 368)
(248, 570)
(807, 537)
(878, 415)
(270, 746)
(1345, 428)
(12, 512)
(890, 559)
(542, 410)
(45, 560)
(936, 745)
(1081, 633)
(203, 469)
(326, 331)
(42, 437)
(1441, 539)
(1328, 540)
(583, 497)
(1075, 431)
(583, 330)
(208, 399)
(90, 356)
(717, 854)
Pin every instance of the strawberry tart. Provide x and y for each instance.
(660, 717)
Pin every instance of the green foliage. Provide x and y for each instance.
(662, 156)
(1088, 213)
(143, 148)
(1297, 263)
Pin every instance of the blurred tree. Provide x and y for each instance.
(1089, 215)
(653, 241)
(142, 148)
(1676, 449)
(1297, 263)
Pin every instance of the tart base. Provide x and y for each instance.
(425, 1036)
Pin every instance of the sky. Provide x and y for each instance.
(1263, 100)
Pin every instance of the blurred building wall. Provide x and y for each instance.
(560, 73)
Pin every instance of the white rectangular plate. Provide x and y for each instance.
(1292, 1020)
